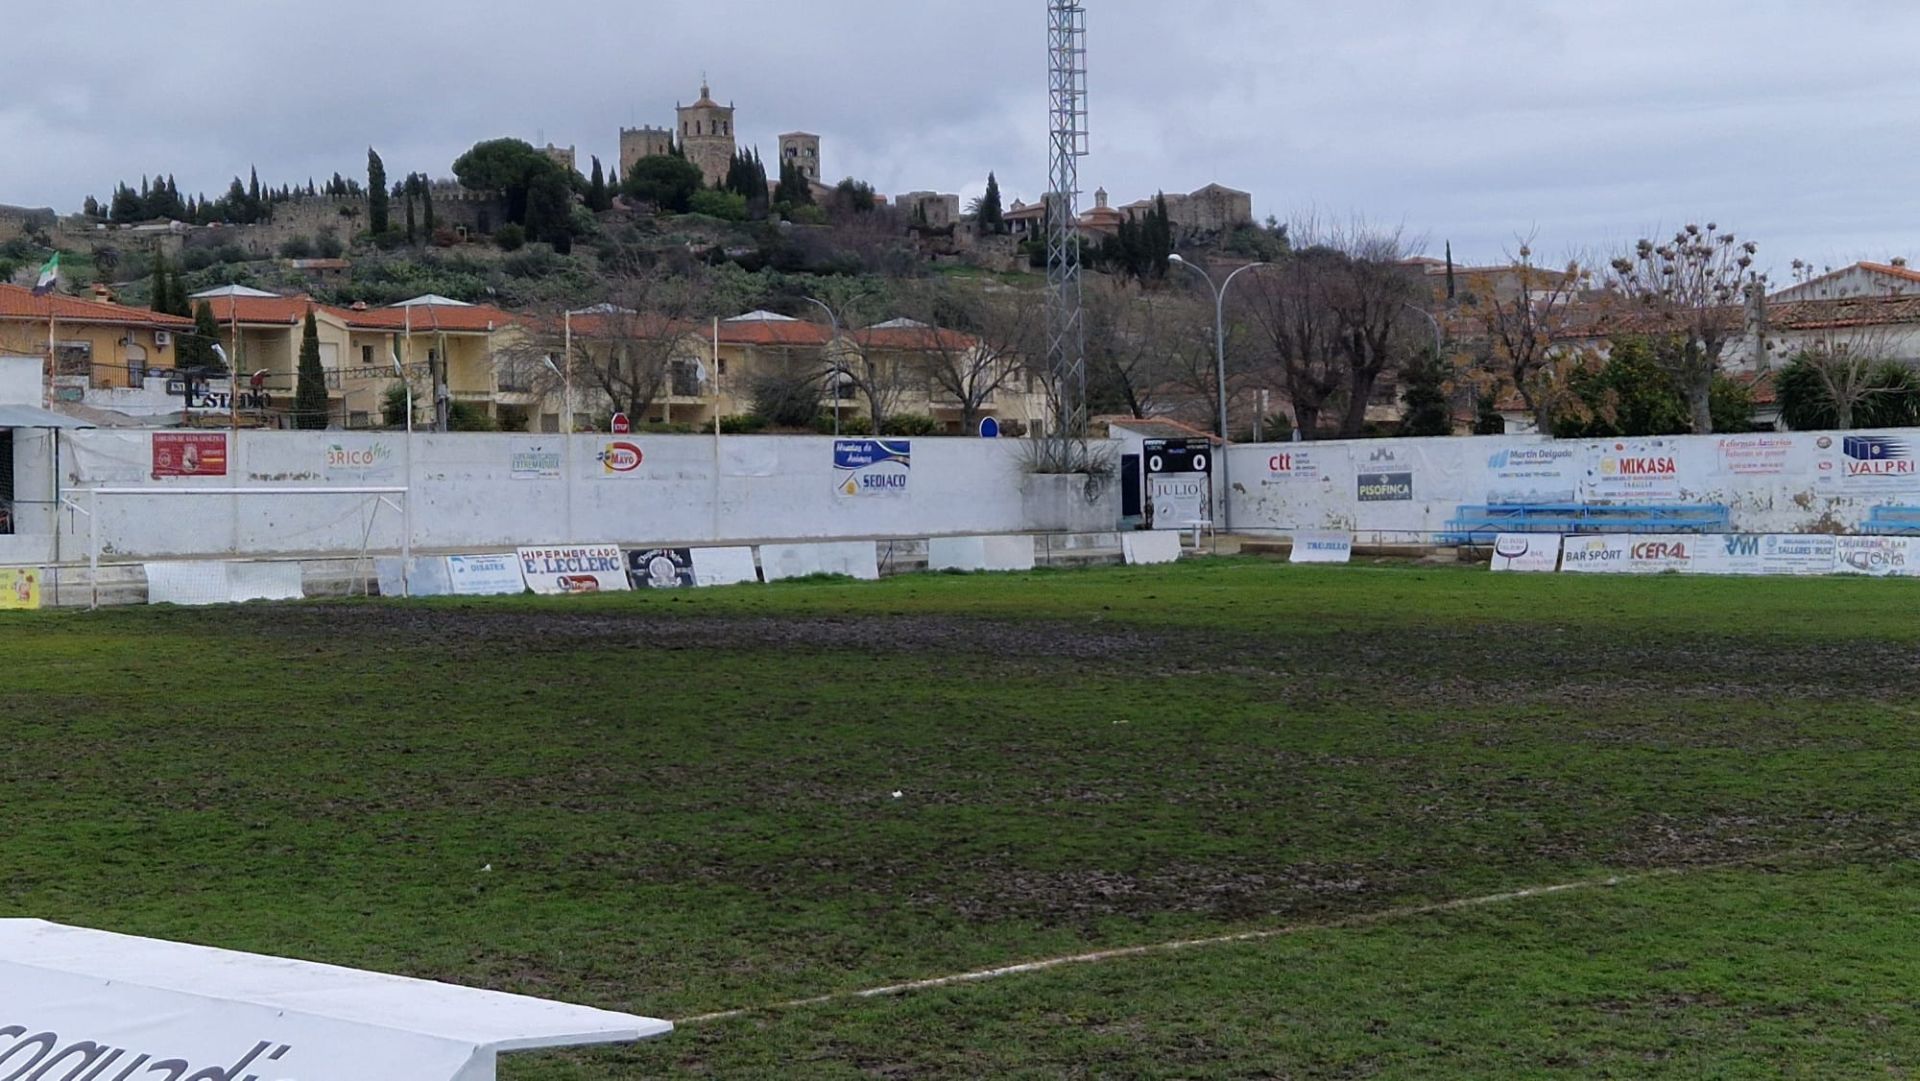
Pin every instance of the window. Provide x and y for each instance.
(722, 367)
(550, 422)
(366, 356)
(73, 358)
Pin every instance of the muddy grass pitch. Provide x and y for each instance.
(687, 804)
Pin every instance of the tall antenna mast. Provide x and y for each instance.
(1067, 120)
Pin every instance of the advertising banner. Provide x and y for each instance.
(1661, 553)
(1881, 557)
(1527, 552)
(1758, 455)
(1764, 553)
(1385, 474)
(1296, 465)
(1322, 548)
(1549, 473)
(189, 454)
(19, 589)
(1604, 553)
(361, 461)
(1179, 481)
(1633, 471)
(620, 458)
(485, 576)
(872, 468)
(536, 460)
(587, 568)
(662, 568)
(1868, 463)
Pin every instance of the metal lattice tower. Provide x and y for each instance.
(1067, 121)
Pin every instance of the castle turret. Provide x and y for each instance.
(706, 134)
(647, 142)
(801, 149)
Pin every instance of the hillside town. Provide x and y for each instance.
(690, 285)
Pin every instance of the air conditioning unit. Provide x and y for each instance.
(162, 338)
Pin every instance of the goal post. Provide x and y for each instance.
(86, 501)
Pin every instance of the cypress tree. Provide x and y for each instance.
(310, 391)
(992, 217)
(378, 212)
(598, 198)
(205, 333)
(426, 204)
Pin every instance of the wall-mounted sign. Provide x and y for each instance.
(189, 454)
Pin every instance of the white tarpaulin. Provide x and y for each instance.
(1147, 548)
(855, 559)
(76, 1003)
(980, 554)
(590, 568)
(724, 566)
(222, 583)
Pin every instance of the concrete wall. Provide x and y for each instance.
(752, 488)
(1798, 482)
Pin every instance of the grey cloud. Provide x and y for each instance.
(1472, 121)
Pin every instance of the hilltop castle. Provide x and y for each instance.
(705, 134)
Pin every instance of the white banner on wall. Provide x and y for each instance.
(1882, 557)
(587, 568)
(360, 460)
(1597, 554)
(1869, 462)
(1298, 464)
(485, 576)
(1547, 473)
(1537, 553)
(869, 468)
(1633, 471)
(1321, 547)
(536, 459)
(1762, 454)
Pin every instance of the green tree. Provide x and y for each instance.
(1630, 394)
(508, 168)
(1424, 393)
(162, 298)
(725, 205)
(378, 210)
(1486, 415)
(1888, 397)
(426, 205)
(794, 189)
(598, 197)
(205, 334)
(310, 389)
(992, 215)
(668, 182)
(550, 209)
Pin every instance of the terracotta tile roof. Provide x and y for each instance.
(257, 311)
(18, 302)
(1157, 427)
(765, 333)
(463, 319)
(1846, 311)
(912, 338)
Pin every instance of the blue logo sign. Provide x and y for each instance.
(989, 428)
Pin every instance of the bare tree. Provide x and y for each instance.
(1526, 326)
(1848, 352)
(863, 360)
(1299, 331)
(1691, 290)
(642, 344)
(974, 342)
(1132, 336)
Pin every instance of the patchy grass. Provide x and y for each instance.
(687, 802)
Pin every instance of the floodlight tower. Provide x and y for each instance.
(1067, 121)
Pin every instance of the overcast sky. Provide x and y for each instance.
(1472, 120)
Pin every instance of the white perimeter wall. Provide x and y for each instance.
(1773, 482)
(687, 489)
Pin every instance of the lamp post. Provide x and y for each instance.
(566, 377)
(834, 320)
(1439, 338)
(566, 442)
(1220, 374)
(406, 500)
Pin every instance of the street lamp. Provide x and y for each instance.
(1439, 338)
(835, 321)
(566, 442)
(406, 500)
(1220, 374)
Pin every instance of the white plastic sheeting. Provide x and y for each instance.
(222, 583)
(856, 559)
(1148, 548)
(74, 1001)
(980, 554)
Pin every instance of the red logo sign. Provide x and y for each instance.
(1659, 550)
(621, 458)
(189, 454)
(621, 425)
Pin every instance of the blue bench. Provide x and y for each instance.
(1896, 520)
(1473, 524)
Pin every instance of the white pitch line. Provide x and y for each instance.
(1357, 920)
